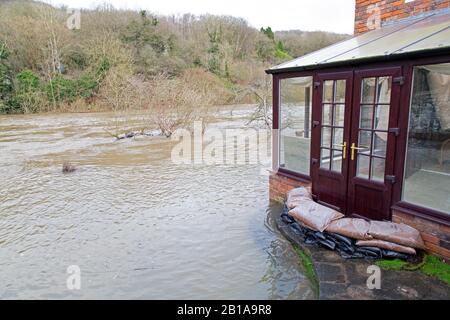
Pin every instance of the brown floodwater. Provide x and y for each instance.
(137, 225)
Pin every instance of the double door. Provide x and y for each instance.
(354, 136)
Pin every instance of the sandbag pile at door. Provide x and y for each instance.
(351, 237)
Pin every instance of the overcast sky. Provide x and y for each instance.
(309, 15)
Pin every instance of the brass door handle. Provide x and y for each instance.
(344, 149)
(354, 147)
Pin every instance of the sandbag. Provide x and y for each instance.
(297, 196)
(397, 233)
(388, 254)
(369, 253)
(352, 228)
(386, 245)
(314, 215)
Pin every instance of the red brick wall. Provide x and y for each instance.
(391, 10)
(280, 185)
(436, 236)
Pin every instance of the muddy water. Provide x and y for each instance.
(137, 225)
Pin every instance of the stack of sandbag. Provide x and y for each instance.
(351, 237)
(314, 215)
(297, 196)
(394, 236)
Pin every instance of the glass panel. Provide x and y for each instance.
(368, 90)
(427, 168)
(325, 158)
(384, 90)
(339, 115)
(366, 117)
(338, 137)
(364, 141)
(295, 124)
(328, 91)
(377, 169)
(340, 91)
(381, 117)
(326, 114)
(326, 137)
(363, 166)
(336, 163)
(379, 143)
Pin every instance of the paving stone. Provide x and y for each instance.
(327, 272)
(323, 255)
(347, 279)
(360, 292)
(331, 291)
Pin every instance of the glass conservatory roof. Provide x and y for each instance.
(410, 36)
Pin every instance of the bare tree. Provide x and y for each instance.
(261, 91)
(177, 104)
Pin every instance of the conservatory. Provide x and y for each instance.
(366, 122)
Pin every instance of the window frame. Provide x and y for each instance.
(399, 204)
(306, 178)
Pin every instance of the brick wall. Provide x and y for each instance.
(368, 11)
(436, 236)
(280, 185)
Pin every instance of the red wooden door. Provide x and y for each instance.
(331, 136)
(376, 100)
(355, 117)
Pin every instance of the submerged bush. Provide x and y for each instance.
(176, 103)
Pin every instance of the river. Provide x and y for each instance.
(135, 224)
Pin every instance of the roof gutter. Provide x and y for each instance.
(358, 62)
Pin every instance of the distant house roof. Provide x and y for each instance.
(412, 36)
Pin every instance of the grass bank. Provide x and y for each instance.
(430, 265)
(308, 269)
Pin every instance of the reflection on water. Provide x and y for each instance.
(137, 225)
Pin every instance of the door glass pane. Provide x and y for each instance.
(339, 114)
(326, 114)
(368, 90)
(326, 137)
(363, 166)
(384, 90)
(365, 141)
(377, 169)
(325, 158)
(340, 91)
(338, 137)
(336, 163)
(328, 91)
(379, 143)
(382, 117)
(366, 117)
